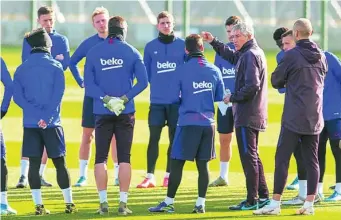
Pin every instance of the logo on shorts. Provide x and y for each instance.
(165, 67)
(202, 87)
(228, 73)
(111, 63)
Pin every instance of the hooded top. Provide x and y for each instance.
(301, 72)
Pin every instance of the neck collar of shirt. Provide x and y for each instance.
(248, 45)
(53, 32)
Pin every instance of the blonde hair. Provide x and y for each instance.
(98, 11)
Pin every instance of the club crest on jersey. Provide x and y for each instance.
(111, 63)
(165, 67)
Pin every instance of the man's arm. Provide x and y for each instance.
(252, 80)
(57, 95)
(18, 91)
(141, 76)
(334, 65)
(65, 62)
(220, 88)
(280, 75)
(91, 87)
(225, 51)
(8, 84)
(279, 57)
(147, 62)
(77, 56)
(26, 50)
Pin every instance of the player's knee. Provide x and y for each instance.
(101, 159)
(123, 158)
(88, 135)
(35, 163)
(59, 163)
(225, 140)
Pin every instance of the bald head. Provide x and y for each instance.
(302, 29)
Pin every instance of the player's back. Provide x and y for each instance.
(113, 62)
(200, 85)
(37, 76)
(41, 79)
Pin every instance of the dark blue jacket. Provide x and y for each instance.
(332, 88)
(60, 45)
(39, 86)
(301, 72)
(250, 98)
(200, 84)
(161, 60)
(279, 57)
(80, 53)
(227, 70)
(8, 84)
(110, 69)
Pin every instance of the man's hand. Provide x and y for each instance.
(207, 36)
(59, 57)
(115, 105)
(3, 113)
(42, 124)
(227, 99)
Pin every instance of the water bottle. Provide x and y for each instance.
(228, 92)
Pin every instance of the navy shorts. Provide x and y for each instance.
(88, 117)
(122, 127)
(225, 123)
(333, 128)
(35, 139)
(194, 142)
(163, 114)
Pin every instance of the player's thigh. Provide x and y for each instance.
(186, 142)
(88, 117)
(225, 123)
(206, 149)
(104, 130)
(157, 115)
(172, 114)
(124, 134)
(54, 141)
(33, 143)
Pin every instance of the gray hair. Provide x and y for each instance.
(245, 28)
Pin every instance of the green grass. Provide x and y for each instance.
(86, 199)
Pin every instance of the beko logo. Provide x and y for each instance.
(111, 63)
(165, 67)
(202, 87)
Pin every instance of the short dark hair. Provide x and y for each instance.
(164, 14)
(44, 10)
(116, 21)
(232, 20)
(287, 33)
(193, 43)
(278, 33)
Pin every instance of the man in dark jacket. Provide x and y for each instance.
(301, 72)
(249, 107)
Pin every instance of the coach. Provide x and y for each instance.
(249, 107)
